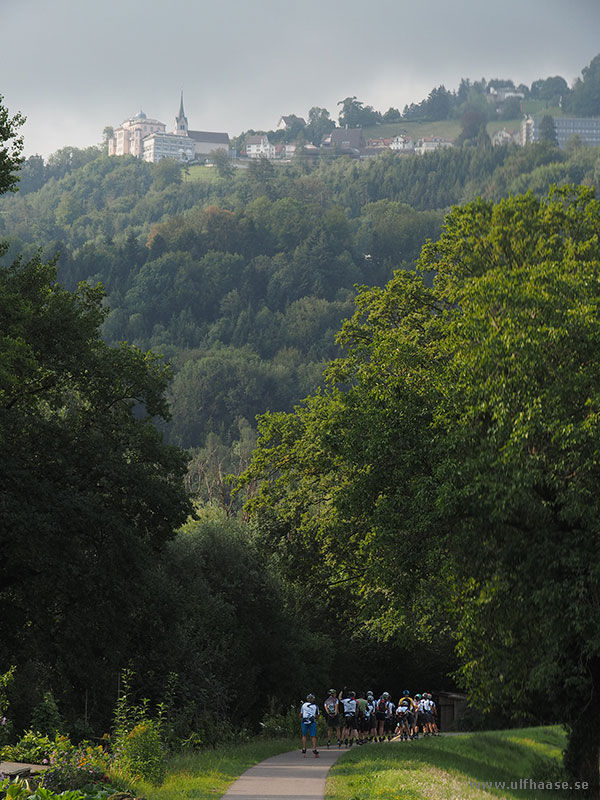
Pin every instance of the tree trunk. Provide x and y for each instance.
(582, 754)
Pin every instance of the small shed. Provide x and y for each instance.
(451, 707)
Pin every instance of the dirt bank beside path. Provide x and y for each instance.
(286, 777)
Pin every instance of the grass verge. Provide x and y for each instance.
(209, 773)
(473, 766)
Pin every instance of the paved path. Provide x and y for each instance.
(286, 777)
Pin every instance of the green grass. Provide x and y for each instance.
(198, 172)
(452, 767)
(209, 773)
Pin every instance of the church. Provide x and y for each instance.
(147, 138)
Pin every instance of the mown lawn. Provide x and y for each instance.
(462, 767)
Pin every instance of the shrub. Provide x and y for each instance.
(141, 753)
(281, 726)
(46, 717)
(137, 742)
(5, 725)
(32, 747)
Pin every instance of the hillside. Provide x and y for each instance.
(242, 281)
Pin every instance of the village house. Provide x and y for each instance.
(431, 143)
(402, 144)
(349, 141)
(504, 136)
(289, 122)
(258, 146)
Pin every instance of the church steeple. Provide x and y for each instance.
(181, 123)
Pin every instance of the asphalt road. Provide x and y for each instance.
(288, 776)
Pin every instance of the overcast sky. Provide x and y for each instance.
(75, 66)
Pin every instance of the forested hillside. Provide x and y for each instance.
(242, 279)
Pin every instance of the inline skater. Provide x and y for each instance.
(308, 714)
(434, 727)
(418, 716)
(372, 717)
(402, 719)
(332, 717)
(362, 719)
(382, 714)
(350, 710)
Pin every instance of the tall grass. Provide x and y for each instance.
(208, 773)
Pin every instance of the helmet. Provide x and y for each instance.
(418, 696)
(369, 695)
(351, 694)
(428, 695)
(386, 695)
(332, 691)
(310, 697)
(406, 693)
(405, 703)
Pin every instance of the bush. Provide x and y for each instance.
(46, 717)
(141, 753)
(281, 726)
(32, 747)
(137, 742)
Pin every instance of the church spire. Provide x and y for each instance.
(181, 123)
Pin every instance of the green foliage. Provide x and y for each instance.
(85, 475)
(27, 789)
(137, 742)
(5, 724)
(140, 752)
(32, 747)
(75, 766)
(12, 146)
(167, 173)
(281, 726)
(584, 100)
(458, 438)
(46, 717)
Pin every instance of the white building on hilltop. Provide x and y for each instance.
(586, 128)
(128, 138)
(149, 139)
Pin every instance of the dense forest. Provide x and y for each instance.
(154, 312)
(242, 280)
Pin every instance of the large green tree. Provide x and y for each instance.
(11, 147)
(459, 439)
(89, 492)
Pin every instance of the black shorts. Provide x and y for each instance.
(380, 715)
(350, 722)
(332, 721)
(365, 724)
(390, 724)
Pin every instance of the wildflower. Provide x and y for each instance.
(3, 721)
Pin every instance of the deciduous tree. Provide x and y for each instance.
(460, 438)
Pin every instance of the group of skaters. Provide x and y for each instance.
(360, 720)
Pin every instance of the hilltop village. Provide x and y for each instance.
(148, 138)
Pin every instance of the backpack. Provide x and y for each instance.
(382, 706)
